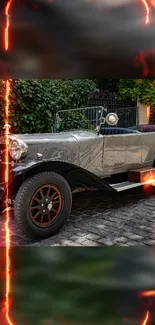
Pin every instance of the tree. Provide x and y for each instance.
(144, 89)
(109, 84)
(34, 102)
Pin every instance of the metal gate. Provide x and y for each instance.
(125, 109)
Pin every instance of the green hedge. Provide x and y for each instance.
(144, 89)
(34, 102)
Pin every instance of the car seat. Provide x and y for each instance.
(115, 130)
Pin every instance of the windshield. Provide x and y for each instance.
(88, 118)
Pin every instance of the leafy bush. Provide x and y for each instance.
(33, 102)
(144, 89)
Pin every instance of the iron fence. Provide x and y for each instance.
(125, 109)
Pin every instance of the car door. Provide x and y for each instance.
(113, 153)
(148, 152)
(90, 151)
(134, 149)
(122, 153)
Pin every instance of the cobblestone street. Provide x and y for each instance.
(101, 219)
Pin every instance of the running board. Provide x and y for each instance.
(127, 185)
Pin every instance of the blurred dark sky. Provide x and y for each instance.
(78, 38)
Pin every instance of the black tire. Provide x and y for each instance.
(23, 207)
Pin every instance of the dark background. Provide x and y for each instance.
(78, 38)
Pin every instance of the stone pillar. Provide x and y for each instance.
(143, 113)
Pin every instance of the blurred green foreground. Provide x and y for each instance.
(78, 285)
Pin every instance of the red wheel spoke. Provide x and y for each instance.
(55, 211)
(41, 193)
(45, 205)
(55, 202)
(35, 208)
(36, 215)
(36, 199)
(49, 217)
(42, 218)
(48, 191)
(54, 195)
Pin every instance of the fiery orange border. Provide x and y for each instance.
(147, 8)
(7, 228)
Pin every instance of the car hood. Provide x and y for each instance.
(71, 136)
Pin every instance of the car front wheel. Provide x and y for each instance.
(43, 204)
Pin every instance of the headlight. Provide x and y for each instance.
(112, 119)
(18, 149)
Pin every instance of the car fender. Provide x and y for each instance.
(22, 168)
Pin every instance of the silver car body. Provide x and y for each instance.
(98, 154)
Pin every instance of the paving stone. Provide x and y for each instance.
(106, 242)
(90, 243)
(136, 237)
(79, 233)
(66, 242)
(80, 240)
(72, 237)
(99, 219)
(55, 245)
(133, 236)
(93, 237)
(131, 243)
(121, 240)
(148, 242)
(75, 244)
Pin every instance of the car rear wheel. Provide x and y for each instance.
(43, 204)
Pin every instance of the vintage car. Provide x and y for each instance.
(46, 168)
